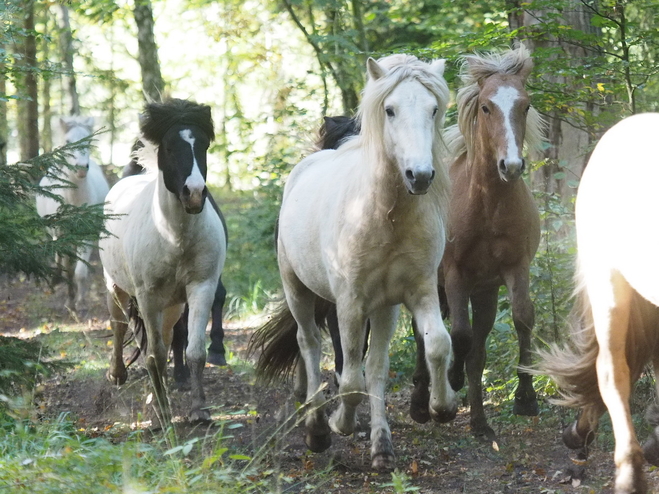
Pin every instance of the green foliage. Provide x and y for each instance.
(26, 245)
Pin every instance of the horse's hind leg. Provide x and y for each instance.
(383, 324)
(457, 299)
(484, 308)
(117, 303)
(216, 352)
(526, 402)
(179, 344)
(581, 432)
(421, 379)
(301, 302)
(610, 299)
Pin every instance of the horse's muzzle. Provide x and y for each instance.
(193, 200)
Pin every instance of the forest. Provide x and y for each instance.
(270, 71)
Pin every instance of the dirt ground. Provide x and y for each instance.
(528, 457)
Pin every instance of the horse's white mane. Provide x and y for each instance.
(146, 156)
(371, 113)
(474, 69)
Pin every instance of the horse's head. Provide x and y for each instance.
(410, 98)
(75, 129)
(493, 107)
(183, 131)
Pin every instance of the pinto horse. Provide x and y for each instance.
(165, 248)
(216, 351)
(493, 227)
(363, 227)
(81, 183)
(616, 331)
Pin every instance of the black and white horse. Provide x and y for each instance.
(165, 248)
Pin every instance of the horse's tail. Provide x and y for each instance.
(277, 341)
(573, 367)
(139, 331)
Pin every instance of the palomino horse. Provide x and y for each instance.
(81, 183)
(165, 249)
(363, 227)
(617, 295)
(494, 226)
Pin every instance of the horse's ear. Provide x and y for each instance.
(374, 69)
(438, 66)
(526, 69)
(64, 124)
(330, 124)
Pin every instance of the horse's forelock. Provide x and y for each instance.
(476, 68)
(399, 67)
(158, 118)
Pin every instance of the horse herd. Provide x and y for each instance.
(392, 209)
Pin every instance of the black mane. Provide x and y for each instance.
(335, 130)
(158, 118)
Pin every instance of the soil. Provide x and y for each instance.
(528, 456)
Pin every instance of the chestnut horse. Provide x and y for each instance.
(363, 227)
(493, 230)
(616, 331)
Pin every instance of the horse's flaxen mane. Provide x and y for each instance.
(158, 118)
(475, 68)
(371, 113)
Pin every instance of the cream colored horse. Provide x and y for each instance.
(364, 227)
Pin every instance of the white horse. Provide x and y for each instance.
(83, 183)
(617, 295)
(363, 227)
(167, 247)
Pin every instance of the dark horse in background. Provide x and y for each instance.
(494, 228)
(216, 350)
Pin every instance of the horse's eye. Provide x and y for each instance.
(390, 111)
(485, 109)
(528, 107)
(434, 111)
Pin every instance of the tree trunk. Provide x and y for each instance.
(46, 131)
(3, 112)
(152, 82)
(66, 43)
(29, 113)
(569, 142)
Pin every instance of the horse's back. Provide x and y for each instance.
(618, 205)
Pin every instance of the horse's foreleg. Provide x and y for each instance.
(437, 342)
(383, 325)
(421, 379)
(81, 275)
(69, 267)
(457, 298)
(352, 323)
(200, 300)
(156, 360)
(581, 432)
(610, 300)
(117, 304)
(216, 352)
(484, 309)
(517, 283)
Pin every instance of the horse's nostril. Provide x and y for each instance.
(186, 191)
(432, 175)
(409, 174)
(502, 166)
(523, 165)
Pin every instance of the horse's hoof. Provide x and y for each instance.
(445, 415)
(573, 440)
(319, 443)
(651, 450)
(201, 415)
(419, 404)
(383, 462)
(217, 359)
(483, 432)
(456, 377)
(525, 405)
(117, 380)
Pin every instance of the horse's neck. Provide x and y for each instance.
(383, 184)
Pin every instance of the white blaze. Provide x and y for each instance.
(195, 180)
(505, 99)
